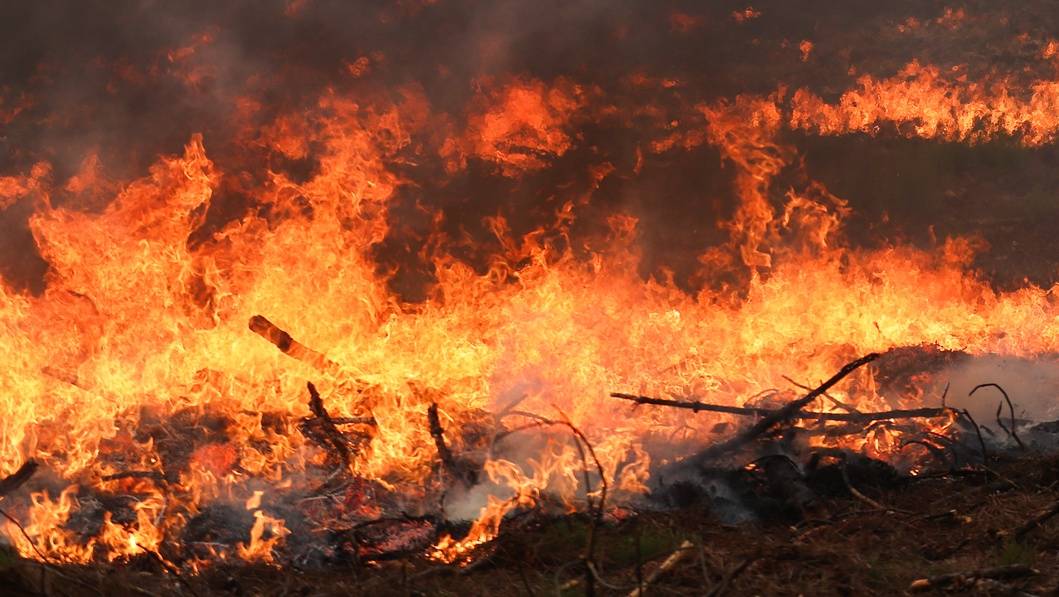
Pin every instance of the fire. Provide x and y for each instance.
(144, 320)
(923, 102)
(266, 534)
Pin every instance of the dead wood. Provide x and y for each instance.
(783, 415)
(289, 346)
(963, 578)
(750, 411)
(331, 435)
(1037, 521)
(730, 576)
(1011, 409)
(978, 431)
(16, 479)
(668, 564)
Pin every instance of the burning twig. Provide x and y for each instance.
(750, 411)
(935, 451)
(289, 346)
(331, 433)
(458, 468)
(444, 453)
(597, 509)
(597, 518)
(170, 569)
(45, 562)
(1011, 409)
(833, 400)
(780, 416)
(964, 578)
(16, 479)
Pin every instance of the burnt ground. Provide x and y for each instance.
(878, 543)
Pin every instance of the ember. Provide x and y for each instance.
(412, 288)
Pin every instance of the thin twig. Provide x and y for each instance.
(780, 416)
(978, 431)
(748, 411)
(597, 510)
(44, 560)
(1011, 408)
(964, 578)
(935, 451)
(728, 578)
(171, 569)
(835, 401)
(597, 518)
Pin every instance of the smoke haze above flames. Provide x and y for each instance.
(98, 90)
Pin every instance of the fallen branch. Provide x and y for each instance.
(751, 411)
(1037, 521)
(289, 346)
(788, 412)
(16, 479)
(963, 578)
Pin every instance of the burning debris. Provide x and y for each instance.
(316, 288)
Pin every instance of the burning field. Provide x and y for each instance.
(600, 297)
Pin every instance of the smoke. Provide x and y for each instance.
(116, 84)
(1032, 386)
